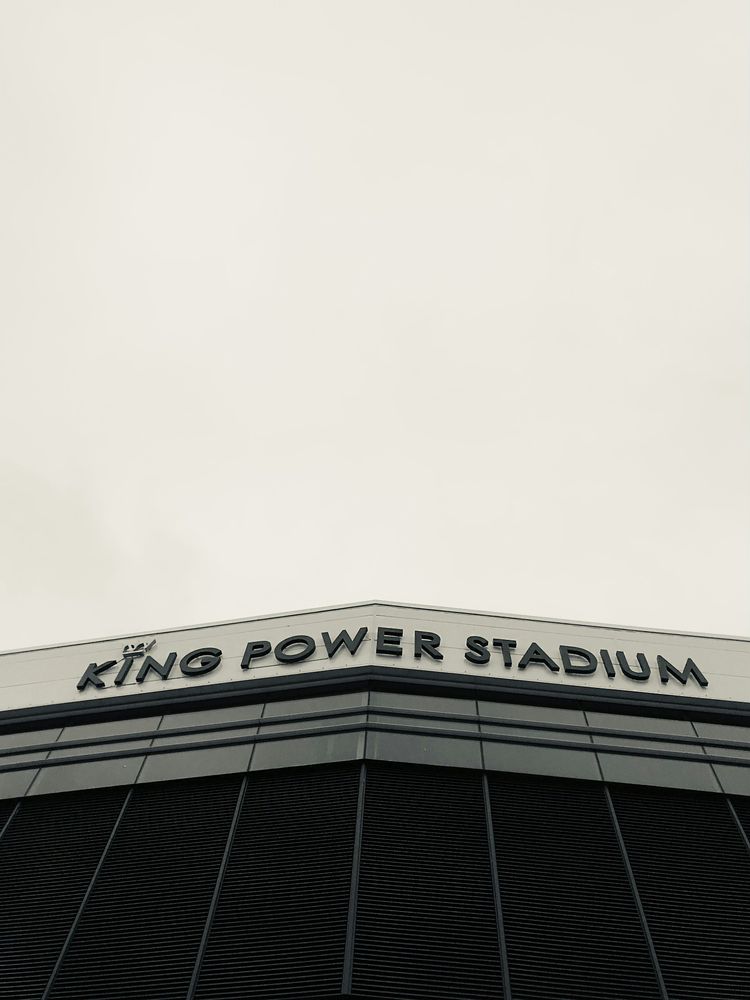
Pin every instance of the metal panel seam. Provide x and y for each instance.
(89, 889)
(636, 894)
(351, 921)
(10, 819)
(507, 994)
(738, 824)
(217, 890)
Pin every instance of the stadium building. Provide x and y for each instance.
(377, 801)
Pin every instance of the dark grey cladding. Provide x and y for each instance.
(375, 880)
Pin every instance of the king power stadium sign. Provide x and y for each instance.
(474, 646)
(139, 662)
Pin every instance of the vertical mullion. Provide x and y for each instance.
(507, 995)
(10, 819)
(735, 817)
(89, 890)
(217, 890)
(351, 922)
(636, 894)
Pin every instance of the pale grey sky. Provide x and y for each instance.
(308, 302)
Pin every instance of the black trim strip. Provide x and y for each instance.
(92, 883)
(351, 919)
(217, 890)
(505, 967)
(338, 679)
(636, 894)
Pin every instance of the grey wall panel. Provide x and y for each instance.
(651, 770)
(411, 748)
(224, 717)
(27, 738)
(525, 759)
(732, 734)
(307, 750)
(733, 780)
(519, 712)
(48, 855)
(96, 774)
(442, 725)
(195, 763)
(658, 771)
(15, 784)
(639, 724)
(530, 733)
(200, 763)
(273, 726)
(389, 737)
(315, 704)
(104, 730)
(437, 704)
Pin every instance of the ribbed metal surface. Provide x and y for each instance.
(742, 811)
(426, 923)
(571, 923)
(6, 811)
(693, 875)
(280, 925)
(47, 857)
(139, 932)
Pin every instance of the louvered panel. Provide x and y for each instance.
(6, 811)
(693, 875)
(426, 923)
(139, 932)
(280, 926)
(571, 921)
(742, 809)
(48, 855)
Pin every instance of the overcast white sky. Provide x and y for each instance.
(307, 302)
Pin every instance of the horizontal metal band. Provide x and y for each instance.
(363, 726)
(552, 727)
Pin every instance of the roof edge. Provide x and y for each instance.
(372, 604)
